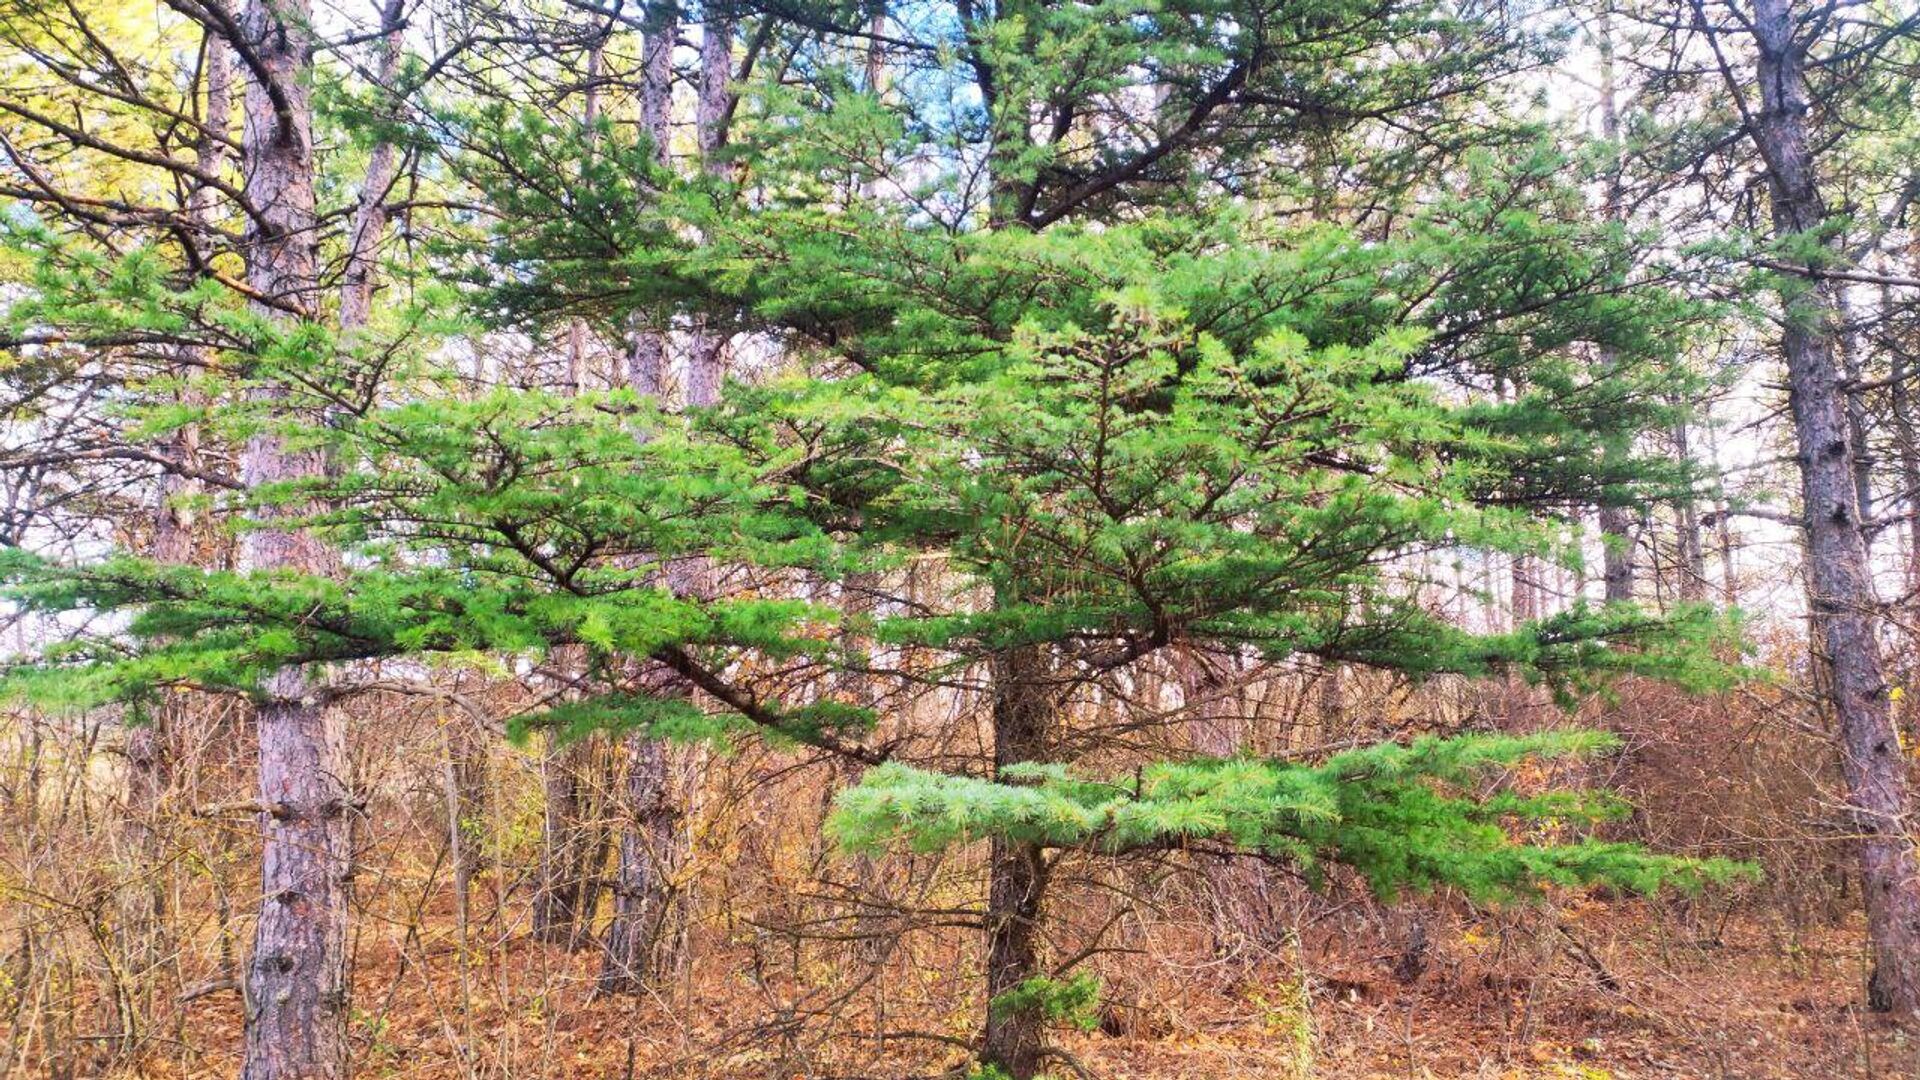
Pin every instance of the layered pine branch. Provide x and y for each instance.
(1168, 440)
(1407, 817)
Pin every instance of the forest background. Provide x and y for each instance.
(932, 537)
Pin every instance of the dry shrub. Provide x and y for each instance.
(808, 961)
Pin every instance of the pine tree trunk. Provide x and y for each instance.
(562, 902)
(876, 58)
(1241, 891)
(564, 893)
(1024, 701)
(1524, 603)
(297, 979)
(1616, 522)
(466, 796)
(713, 111)
(1907, 440)
(1023, 707)
(296, 986)
(1838, 568)
(370, 215)
(1330, 704)
(1691, 557)
(647, 359)
(645, 941)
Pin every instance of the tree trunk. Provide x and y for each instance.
(567, 895)
(1023, 707)
(370, 214)
(466, 784)
(714, 109)
(1838, 569)
(1524, 590)
(297, 980)
(1330, 703)
(296, 990)
(1616, 522)
(1024, 702)
(563, 901)
(1241, 890)
(876, 58)
(647, 360)
(1907, 445)
(1723, 534)
(1690, 557)
(646, 940)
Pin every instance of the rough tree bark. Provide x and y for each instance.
(1024, 704)
(1025, 698)
(296, 983)
(645, 942)
(1330, 704)
(876, 60)
(1838, 565)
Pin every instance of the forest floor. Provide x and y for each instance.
(1605, 992)
(1634, 1006)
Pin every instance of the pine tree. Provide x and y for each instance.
(1114, 478)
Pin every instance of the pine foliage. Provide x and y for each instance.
(1406, 817)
